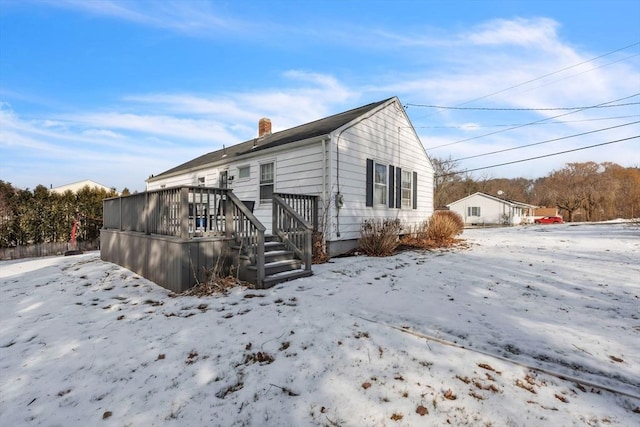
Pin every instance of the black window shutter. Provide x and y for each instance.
(398, 188)
(369, 197)
(391, 187)
(415, 190)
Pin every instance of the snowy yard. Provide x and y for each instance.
(421, 338)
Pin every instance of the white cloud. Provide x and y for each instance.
(189, 17)
(313, 96)
(102, 132)
(539, 32)
(167, 126)
(160, 130)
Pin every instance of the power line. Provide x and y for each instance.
(538, 157)
(581, 72)
(518, 124)
(544, 142)
(526, 124)
(550, 74)
(524, 109)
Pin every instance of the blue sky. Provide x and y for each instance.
(115, 91)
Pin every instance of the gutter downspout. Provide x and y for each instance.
(324, 171)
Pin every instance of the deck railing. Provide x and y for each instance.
(292, 227)
(188, 212)
(306, 206)
(180, 212)
(247, 231)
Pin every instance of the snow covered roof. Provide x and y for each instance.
(79, 185)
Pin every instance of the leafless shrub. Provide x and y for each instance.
(220, 279)
(379, 237)
(438, 231)
(444, 226)
(319, 255)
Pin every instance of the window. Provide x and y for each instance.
(266, 182)
(244, 172)
(402, 186)
(406, 189)
(201, 181)
(473, 211)
(380, 184)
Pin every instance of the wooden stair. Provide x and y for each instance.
(281, 264)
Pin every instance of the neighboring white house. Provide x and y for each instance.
(363, 163)
(480, 208)
(77, 186)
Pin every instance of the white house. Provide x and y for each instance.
(484, 209)
(363, 163)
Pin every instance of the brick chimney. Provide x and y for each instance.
(264, 127)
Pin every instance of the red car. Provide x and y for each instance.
(549, 220)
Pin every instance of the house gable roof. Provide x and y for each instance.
(299, 133)
(497, 199)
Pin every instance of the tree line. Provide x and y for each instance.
(586, 191)
(43, 216)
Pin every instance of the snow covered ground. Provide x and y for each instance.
(421, 338)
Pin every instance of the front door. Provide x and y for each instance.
(223, 180)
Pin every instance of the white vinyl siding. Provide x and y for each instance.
(387, 137)
(297, 171)
(480, 208)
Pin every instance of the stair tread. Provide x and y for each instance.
(277, 263)
(287, 275)
(281, 262)
(281, 252)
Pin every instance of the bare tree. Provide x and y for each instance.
(445, 181)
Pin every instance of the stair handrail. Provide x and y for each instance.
(247, 230)
(296, 233)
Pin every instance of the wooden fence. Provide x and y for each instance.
(46, 249)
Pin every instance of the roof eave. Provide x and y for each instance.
(242, 156)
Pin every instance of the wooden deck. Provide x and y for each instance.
(176, 237)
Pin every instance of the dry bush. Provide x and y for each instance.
(220, 279)
(379, 237)
(451, 221)
(319, 255)
(444, 226)
(438, 231)
(215, 286)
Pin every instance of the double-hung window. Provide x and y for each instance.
(407, 187)
(473, 210)
(390, 186)
(266, 182)
(380, 184)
